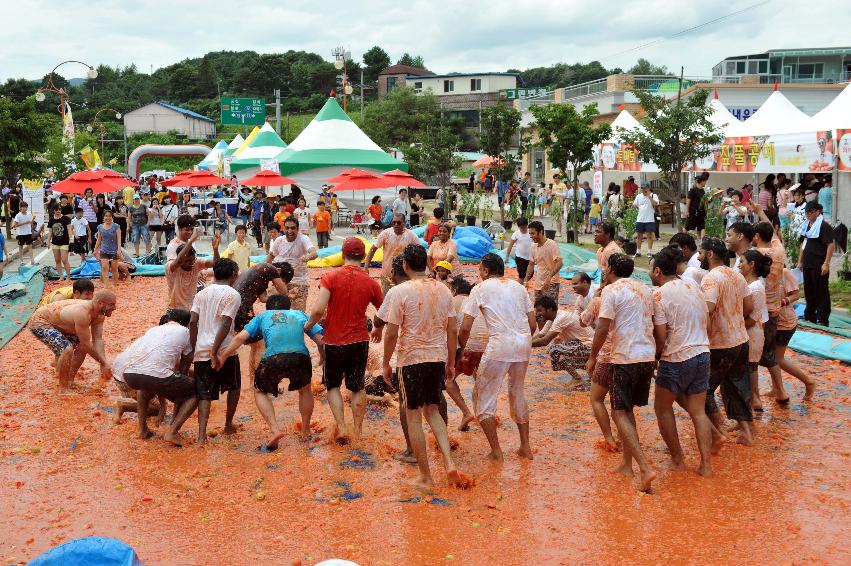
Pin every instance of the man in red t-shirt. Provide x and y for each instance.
(346, 292)
(630, 187)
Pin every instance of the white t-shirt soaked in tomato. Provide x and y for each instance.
(567, 324)
(629, 305)
(727, 289)
(282, 250)
(156, 353)
(522, 244)
(679, 304)
(421, 309)
(479, 336)
(505, 306)
(211, 304)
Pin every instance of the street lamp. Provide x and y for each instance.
(96, 123)
(341, 57)
(92, 73)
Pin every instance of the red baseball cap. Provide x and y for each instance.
(354, 248)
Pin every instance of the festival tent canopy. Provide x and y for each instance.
(212, 158)
(777, 116)
(623, 121)
(333, 140)
(724, 119)
(234, 145)
(836, 115)
(266, 145)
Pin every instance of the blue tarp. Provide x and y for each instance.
(90, 551)
(821, 345)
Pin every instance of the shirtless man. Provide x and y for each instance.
(72, 329)
(252, 286)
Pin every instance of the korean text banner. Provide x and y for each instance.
(843, 149)
(810, 152)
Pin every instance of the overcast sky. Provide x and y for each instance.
(464, 36)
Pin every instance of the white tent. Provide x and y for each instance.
(836, 115)
(623, 122)
(724, 119)
(211, 162)
(777, 116)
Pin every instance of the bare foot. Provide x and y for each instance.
(465, 424)
(625, 470)
(459, 480)
(717, 445)
(202, 440)
(496, 457)
(422, 485)
(406, 457)
(705, 470)
(229, 429)
(756, 403)
(145, 434)
(745, 440)
(646, 479)
(734, 427)
(173, 438)
(810, 390)
(341, 438)
(273, 441)
(118, 412)
(525, 452)
(678, 464)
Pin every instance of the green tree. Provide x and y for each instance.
(645, 67)
(500, 126)
(570, 136)
(433, 158)
(375, 60)
(207, 80)
(411, 61)
(24, 137)
(57, 154)
(399, 119)
(674, 135)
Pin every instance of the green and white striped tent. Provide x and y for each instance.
(266, 145)
(234, 145)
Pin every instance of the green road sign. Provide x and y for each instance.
(243, 111)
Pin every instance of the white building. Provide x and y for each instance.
(162, 117)
(455, 84)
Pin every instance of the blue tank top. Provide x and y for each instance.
(108, 239)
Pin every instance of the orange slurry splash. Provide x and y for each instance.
(67, 471)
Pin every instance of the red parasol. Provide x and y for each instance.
(363, 181)
(402, 179)
(176, 178)
(488, 161)
(98, 181)
(347, 173)
(200, 179)
(268, 179)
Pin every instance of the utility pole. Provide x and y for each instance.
(278, 111)
(361, 95)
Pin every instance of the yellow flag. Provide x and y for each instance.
(90, 157)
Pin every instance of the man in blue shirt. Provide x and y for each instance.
(286, 355)
(258, 216)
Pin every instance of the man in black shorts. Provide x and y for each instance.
(252, 286)
(345, 293)
(286, 356)
(695, 209)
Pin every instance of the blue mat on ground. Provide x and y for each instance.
(822, 346)
(90, 269)
(90, 551)
(15, 313)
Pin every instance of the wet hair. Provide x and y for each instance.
(181, 247)
(683, 240)
(744, 228)
(765, 231)
(185, 221)
(180, 316)
(83, 286)
(278, 303)
(607, 228)
(717, 247)
(761, 262)
(547, 303)
(460, 285)
(621, 265)
(225, 269)
(78, 209)
(522, 221)
(584, 277)
(416, 257)
(273, 226)
(536, 225)
(290, 220)
(242, 227)
(397, 268)
(438, 212)
(494, 264)
(286, 270)
(668, 259)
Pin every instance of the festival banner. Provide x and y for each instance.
(270, 165)
(618, 156)
(809, 152)
(34, 195)
(91, 158)
(843, 149)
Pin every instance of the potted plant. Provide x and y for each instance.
(556, 210)
(473, 206)
(568, 224)
(628, 222)
(486, 212)
(845, 272)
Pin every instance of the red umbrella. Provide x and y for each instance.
(268, 179)
(363, 181)
(487, 161)
(400, 178)
(176, 178)
(346, 174)
(200, 179)
(98, 181)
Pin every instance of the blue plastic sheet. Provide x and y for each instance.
(822, 346)
(90, 551)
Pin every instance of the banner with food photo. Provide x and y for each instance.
(843, 149)
(808, 152)
(617, 156)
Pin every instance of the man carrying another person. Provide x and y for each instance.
(72, 329)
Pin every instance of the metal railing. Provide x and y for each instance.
(584, 89)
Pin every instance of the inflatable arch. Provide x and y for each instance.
(149, 150)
